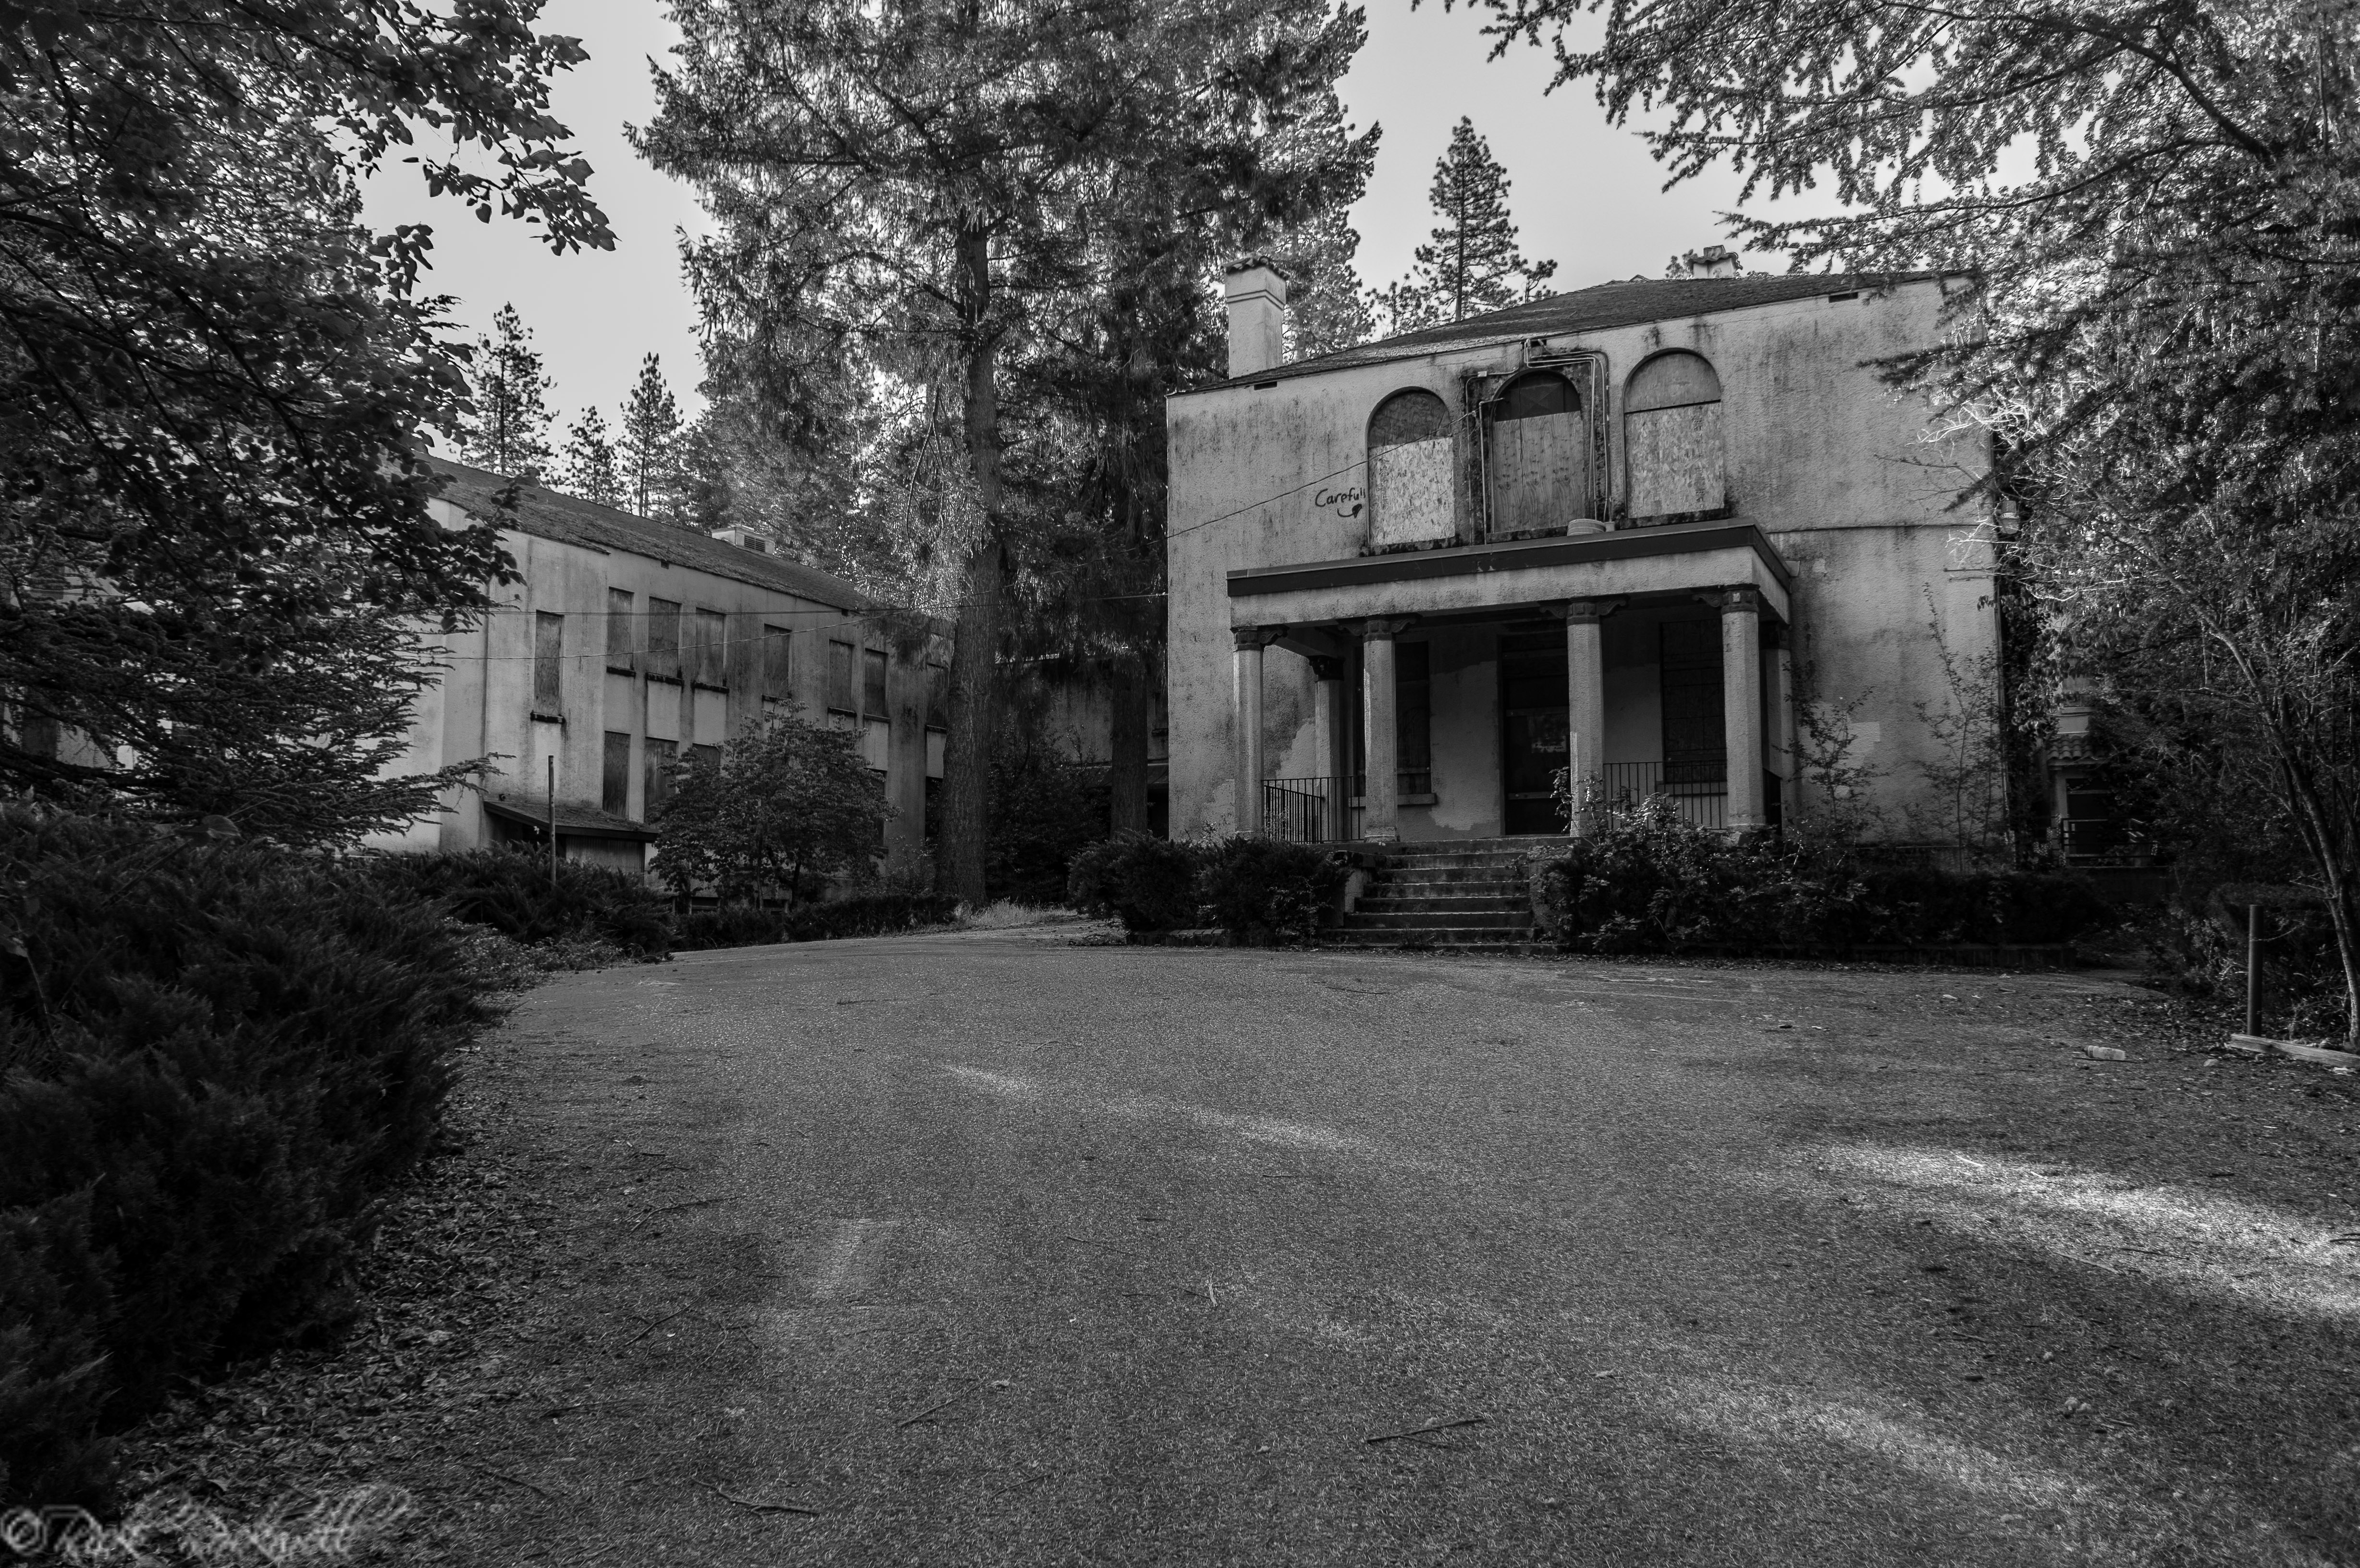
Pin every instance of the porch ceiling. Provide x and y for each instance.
(1631, 563)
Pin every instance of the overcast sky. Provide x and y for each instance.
(1583, 194)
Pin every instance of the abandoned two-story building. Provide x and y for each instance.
(628, 645)
(1613, 532)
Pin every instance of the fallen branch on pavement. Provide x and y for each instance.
(651, 1328)
(761, 1506)
(1421, 1431)
(512, 1480)
(940, 1404)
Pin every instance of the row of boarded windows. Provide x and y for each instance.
(1538, 466)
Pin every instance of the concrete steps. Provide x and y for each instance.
(1467, 895)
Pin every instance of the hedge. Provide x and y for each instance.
(213, 1059)
(871, 914)
(1650, 881)
(1255, 887)
(513, 892)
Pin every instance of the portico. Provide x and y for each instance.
(1452, 684)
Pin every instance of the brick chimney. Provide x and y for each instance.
(1256, 296)
(1713, 261)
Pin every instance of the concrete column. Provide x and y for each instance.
(1741, 682)
(1332, 744)
(1250, 641)
(1781, 718)
(1380, 786)
(1585, 687)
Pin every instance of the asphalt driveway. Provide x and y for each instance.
(992, 1249)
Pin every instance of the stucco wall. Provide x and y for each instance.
(1839, 470)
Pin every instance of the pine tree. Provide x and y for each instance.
(909, 194)
(1326, 308)
(650, 449)
(507, 428)
(1471, 264)
(218, 543)
(590, 470)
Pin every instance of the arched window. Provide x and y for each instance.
(1410, 470)
(1671, 438)
(1540, 455)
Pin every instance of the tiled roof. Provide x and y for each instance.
(545, 514)
(1597, 309)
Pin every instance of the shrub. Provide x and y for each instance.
(732, 925)
(212, 1060)
(1147, 882)
(1649, 881)
(1260, 887)
(512, 893)
(871, 914)
(2196, 945)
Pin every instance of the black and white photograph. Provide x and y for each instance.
(1179, 783)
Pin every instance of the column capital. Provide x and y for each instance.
(1386, 627)
(1256, 637)
(1737, 599)
(1326, 668)
(1585, 612)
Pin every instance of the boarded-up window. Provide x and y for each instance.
(712, 646)
(1696, 750)
(548, 662)
(615, 777)
(701, 758)
(1539, 463)
(872, 683)
(663, 640)
(1672, 438)
(1410, 471)
(663, 759)
(622, 629)
(778, 669)
(839, 677)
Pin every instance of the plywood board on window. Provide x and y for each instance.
(1410, 486)
(1675, 460)
(1539, 470)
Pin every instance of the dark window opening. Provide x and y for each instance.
(1413, 721)
(872, 683)
(663, 759)
(778, 667)
(548, 662)
(615, 776)
(712, 649)
(663, 640)
(622, 629)
(939, 697)
(1696, 745)
(839, 677)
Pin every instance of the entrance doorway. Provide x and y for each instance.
(1535, 729)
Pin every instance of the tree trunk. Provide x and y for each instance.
(1127, 767)
(960, 842)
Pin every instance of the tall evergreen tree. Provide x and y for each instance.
(590, 468)
(909, 193)
(508, 416)
(1327, 308)
(213, 384)
(650, 449)
(1470, 263)
(2148, 222)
